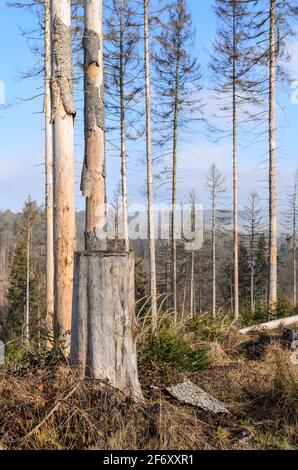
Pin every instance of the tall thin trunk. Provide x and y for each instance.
(63, 113)
(252, 261)
(295, 242)
(123, 133)
(213, 256)
(272, 294)
(27, 313)
(174, 187)
(151, 223)
(49, 169)
(235, 173)
(192, 275)
(184, 291)
(93, 175)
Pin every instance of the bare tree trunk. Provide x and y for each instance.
(93, 175)
(192, 275)
(123, 136)
(104, 331)
(27, 313)
(49, 170)
(151, 223)
(295, 242)
(272, 295)
(174, 196)
(63, 113)
(213, 257)
(235, 176)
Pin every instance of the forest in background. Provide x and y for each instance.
(97, 331)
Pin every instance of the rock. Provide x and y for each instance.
(190, 394)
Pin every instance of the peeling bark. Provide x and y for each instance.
(63, 113)
(63, 69)
(93, 173)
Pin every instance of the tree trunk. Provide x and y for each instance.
(192, 275)
(63, 113)
(104, 331)
(252, 269)
(151, 222)
(49, 171)
(123, 135)
(174, 195)
(272, 166)
(93, 175)
(213, 257)
(235, 176)
(294, 242)
(27, 312)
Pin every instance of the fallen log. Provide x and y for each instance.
(271, 325)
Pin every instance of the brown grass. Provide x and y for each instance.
(252, 376)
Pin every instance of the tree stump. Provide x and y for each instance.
(103, 340)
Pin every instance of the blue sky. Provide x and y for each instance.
(21, 128)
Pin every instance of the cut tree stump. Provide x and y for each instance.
(103, 340)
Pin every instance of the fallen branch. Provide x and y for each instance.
(271, 325)
(53, 410)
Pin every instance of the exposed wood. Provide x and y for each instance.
(271, 325)
(123, 133)
(93, 174)
(103, 342)
(49, 168)
(63, 113)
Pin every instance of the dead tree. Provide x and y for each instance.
(252, 224)
(48, 166)
(103, 342)
(178, 85)
(235, 89)
(93, 175)
(215, 187)
(291, 221)
(272, 163)
(151, 224)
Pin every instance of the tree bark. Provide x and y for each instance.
(151, 223)
(63, 113)
(104, 330)
(213, 256)
(174, 192)
(272, 301)
(49, 170)
(294, 241)
(93, 175)
(123, 134)
(235, 174)
(192, 276)
(27, 312)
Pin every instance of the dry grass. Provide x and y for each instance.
(46, 407)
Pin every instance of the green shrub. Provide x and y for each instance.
(169, 346)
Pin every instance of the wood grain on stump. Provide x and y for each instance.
(103, 343)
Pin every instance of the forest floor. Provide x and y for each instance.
(44, 406)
